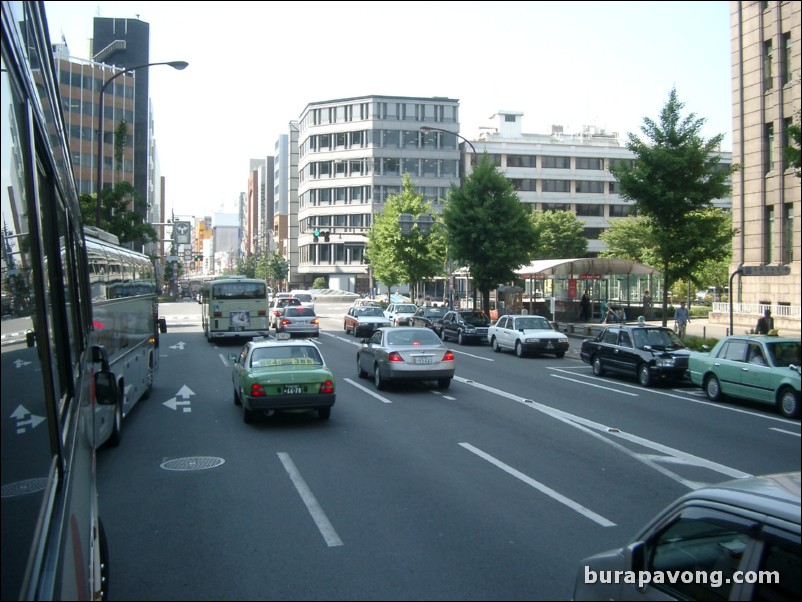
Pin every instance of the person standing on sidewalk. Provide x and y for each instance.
(647, 305)
(765, 324)
(682, 318)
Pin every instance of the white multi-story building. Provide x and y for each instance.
(352, 154)
(562, 171)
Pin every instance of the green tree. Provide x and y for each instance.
(489, 230)
(397, 258)
(792, 151)
(560, 235)
(120, 140)
(320, 282)
(277, 269)
(630, 238)
(117, 215)
(673, 181)
(246, 265)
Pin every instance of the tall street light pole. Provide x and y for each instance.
(425, 129)
(99, 209)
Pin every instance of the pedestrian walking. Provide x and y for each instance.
(682, 318)
(585, 307)
(647, 305)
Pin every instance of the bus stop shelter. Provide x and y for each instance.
(618, 282)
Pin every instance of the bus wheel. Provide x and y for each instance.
(117, 425)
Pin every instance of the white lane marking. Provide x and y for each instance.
(604, 433)
(368, 391)
(324, 526)
(223, 359)
(587, 384)
(478, 357)
(597, 518)
(772, 428)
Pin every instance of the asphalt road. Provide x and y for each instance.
(493, 489)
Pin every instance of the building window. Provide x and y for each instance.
(556, 207)
(614, 187)
(509, 118)
(390, 138)
(523, 184)
(768, 75)
(555, 162)
(556, 186)
(768, 236)
(590, 210)
(521, 161)
(620, 210)
(592, 233)
(769, 143)
(589, 163)
(788, 232)
(787, 54)
(589, 187)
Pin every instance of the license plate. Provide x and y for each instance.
(424, 360)
(292, 390)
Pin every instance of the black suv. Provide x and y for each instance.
(467, 325)
(429, 316)
(650, 353)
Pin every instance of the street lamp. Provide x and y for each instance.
(99, 210)
(426, 128)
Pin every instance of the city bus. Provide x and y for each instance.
(125, 317)
(234, 307)
(57, 387)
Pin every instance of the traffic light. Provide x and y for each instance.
(326, 235)
(316, 234)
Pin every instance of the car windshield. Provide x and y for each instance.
(370, 311)
(406, 308)
(475, 318)
(657, 338)
(434, 312)
(304, 297)
(283, 355)
(285, 301)
(532, 323)
(785, 353)
(408, 336)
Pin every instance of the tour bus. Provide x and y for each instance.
(235, 306)
(125, 316)
(58, 389)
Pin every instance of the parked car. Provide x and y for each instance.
(465, 326)
(362, 320)
(408, 354)
(277, 306)
(758, 368)
(366, 303)
(526, 334)
(400, 314)
(298, 320)
(281, 374)
(429, 316)
(650, 353)
(722, 536)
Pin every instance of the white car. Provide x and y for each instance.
(526, 334)
(400, 314)
(305, 297)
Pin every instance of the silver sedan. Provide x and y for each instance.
(405, 353)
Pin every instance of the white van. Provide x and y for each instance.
(305, 297)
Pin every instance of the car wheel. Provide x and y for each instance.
(519, 349)
(788, 403)
(444, 383)
(237, 400)
(460, 338)
(248, 416)
(598, 369)
(494, 344)
(644, 376)
(324, 413)
(359, 371)
(560, 354)
(380, 382)
(713, 388)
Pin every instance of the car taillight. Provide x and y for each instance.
(315, 321)
(327, 387)
(449, 356)
(284, 322)
(395, 357)
(257, 390)
(218, 314)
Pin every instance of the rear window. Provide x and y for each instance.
(299, 311)
(239, 290)
(305, 297)
(406, 309)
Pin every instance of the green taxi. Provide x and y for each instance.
(761, 368)
(274, 374)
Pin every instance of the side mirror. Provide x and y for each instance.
(162, 325)
(106, 390)
(100, 356)
(30, 338)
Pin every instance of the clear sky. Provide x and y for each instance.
(254, 66)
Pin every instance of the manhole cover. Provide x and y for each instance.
(24, 487)
(192, 463)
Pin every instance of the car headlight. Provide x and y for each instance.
(531, 340)
(470, 329)
(665, 362)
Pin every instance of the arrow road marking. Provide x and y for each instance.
(20, 413)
